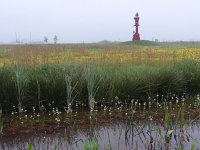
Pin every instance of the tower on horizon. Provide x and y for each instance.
(136, 35)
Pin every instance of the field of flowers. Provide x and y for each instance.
(114, 53)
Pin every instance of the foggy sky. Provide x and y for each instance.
(96, 20)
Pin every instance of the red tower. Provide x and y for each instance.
(136, 35)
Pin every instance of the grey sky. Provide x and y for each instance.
(96, 20)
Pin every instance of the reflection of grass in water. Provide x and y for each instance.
(167, 118)
(166, 131)
(29, 146)
(86, 145)
(93, 145)
(192, 145)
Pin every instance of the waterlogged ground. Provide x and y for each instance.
(166, 126)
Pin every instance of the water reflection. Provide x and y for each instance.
(114, 129)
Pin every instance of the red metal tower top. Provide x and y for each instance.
(136, 35)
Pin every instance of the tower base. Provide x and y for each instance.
(136, 36)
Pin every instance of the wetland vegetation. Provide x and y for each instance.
(100, 96)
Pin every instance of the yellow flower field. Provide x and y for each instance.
(80, 54)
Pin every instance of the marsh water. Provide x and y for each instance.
(123, 128)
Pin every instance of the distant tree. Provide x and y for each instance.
(55, 39)
(45, 39)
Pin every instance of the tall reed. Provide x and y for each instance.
(92, 87)
(70, 91)
(20, 83)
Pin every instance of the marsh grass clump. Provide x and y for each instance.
(8, 94)
(90, 145)
(1, 121)
(41, 84)
(47, 86)
(70, 91)
(21, 82)
(0, 111)
(92, 87)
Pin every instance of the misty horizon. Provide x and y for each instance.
(94, 20)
